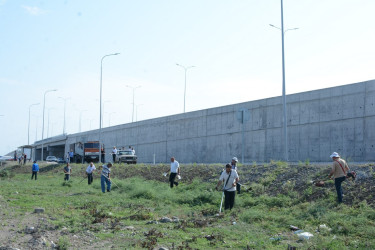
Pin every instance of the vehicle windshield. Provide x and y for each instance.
(125, 153)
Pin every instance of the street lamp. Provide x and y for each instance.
(44, 106)
(185, 68)
(283, 69)
(28, 127)
(104, 109)
(133, 98)
(80, 117)
(100, 117)
(136, 112)
(65, 99)
(48, 122)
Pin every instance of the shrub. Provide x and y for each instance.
(63, 243)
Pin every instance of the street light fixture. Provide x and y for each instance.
(134, 88)
(28, 127)
(44, 107)
(185, 68)
(100, 117)
(283, 69)
(65, 99)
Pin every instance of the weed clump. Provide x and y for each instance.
(5, 174)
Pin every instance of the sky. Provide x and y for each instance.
(236, 54)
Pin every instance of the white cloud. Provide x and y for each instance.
(35, 11)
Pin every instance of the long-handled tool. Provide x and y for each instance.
(221, 204)
(82, 180)
(110, 181)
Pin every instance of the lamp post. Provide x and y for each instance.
(185, 68)
(100, 116)
(44, 107)
(103, 110)
(28, 127)
(65, 99)
(283, 86)
(136, 112)
(48, 122)
(133, 98)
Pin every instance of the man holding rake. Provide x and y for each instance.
(230, 179)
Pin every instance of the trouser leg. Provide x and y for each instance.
(90, 178)
(338, 182)
(226, 200)
(172, 176)
(231, 199)
(108, 185)
(102, 183)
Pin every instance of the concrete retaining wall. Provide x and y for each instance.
(338, 119)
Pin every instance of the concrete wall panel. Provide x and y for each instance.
(319, 122)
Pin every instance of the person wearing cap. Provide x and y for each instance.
(106, 177)
(234, 167)
(234, 163)
(338, 171)
(35, 170)
(230, 179)
(114, 153)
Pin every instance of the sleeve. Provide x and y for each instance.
(221, 178)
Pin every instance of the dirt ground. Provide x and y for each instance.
(276, 179)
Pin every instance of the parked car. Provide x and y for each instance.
(61, 160)
(126, 156)
(5, 158)
(52, 158)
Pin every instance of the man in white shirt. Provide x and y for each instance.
(230, 178)
(89, 171)
(175, 170)
(114, 153)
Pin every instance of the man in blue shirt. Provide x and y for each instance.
(71, 155)
(35, 170)
(105, 177)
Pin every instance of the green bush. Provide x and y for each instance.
(63, 243)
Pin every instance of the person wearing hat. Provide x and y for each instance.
(106, 177)
(230, 179)
(338, 171)
(234, 166)
(234, 163)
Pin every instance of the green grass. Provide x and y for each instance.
(257, 217)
